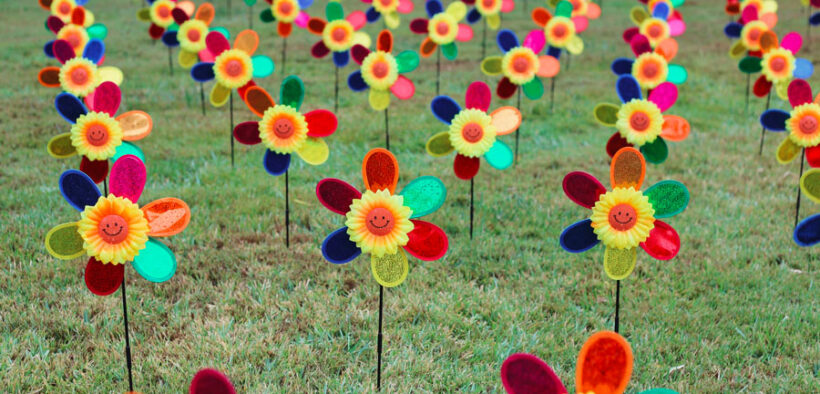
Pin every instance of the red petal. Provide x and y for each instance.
(319, 50)
(427, 241)
(217, 43)
(244, 88)
(321, 123)
(107, 98)
(583, 188)
(629, 33)
(799, 92)
(478, 96)
(97, 170)
(247, 133)
(419, 26)
(359, 53)
(380, 170)
(466, 167)
(640, 44)
(103, 279)
(813, 156)
(505, 88)
(762, 87)
(615, 143)
(156, 32)
(336, 195)
(663, 242)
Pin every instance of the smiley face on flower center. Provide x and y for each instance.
(442, 28)
(285, 7)
(79, 76)
(113, 229)
(164, 12)
(777, 64)
(639, 121)
(655, 31)
(380, 69)
(65, 8)
(194, 35)
(559, 31)
(233, 68)
(380, 221)
(521, 64)
(808, 124)
(622, 217)
(339, 34)
(283, 128)
(650, 70)
(97, 135)
(472, 132)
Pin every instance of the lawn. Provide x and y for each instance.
(737, 310)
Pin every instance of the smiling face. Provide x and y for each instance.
(380, 70)
(96, 135)
(639, 121)
(778, 65)
(442, 28)
(113, 230)
(559, 31)
(804, 125)
(233, 68)
(519, 65)
(378, 222)
(656, 30)
(161, 13)
(78, 76)
(472, 133)
(622, 218)
(283, 129)
(191, 35)
(338, 35)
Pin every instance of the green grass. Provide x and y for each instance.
(736, 311)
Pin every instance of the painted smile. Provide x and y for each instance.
(119, 231)
(387, 223)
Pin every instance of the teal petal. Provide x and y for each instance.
(564, 8)
(292, 92)
(250, 2)
(334, 11)
(676, 4)
(262, 66)
(156, 263)
(407, 61)
(222, 31)
(500, 155)
(677, 74)
(655, 152)
(98, 31)
(424, 195)
(127, 148)
(450, 51)
(668, 198)
(659, 391)
(533, 89)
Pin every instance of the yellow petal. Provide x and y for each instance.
(379, 99)
(787, 151)
(60, 146)
(390, 270)
(362, 39)
(439, 144)
(314, 151)
(219, 95)
(575, 45)
(619, 263)
(457, 10)
(110, 73)
(493, 21)
(187, 59)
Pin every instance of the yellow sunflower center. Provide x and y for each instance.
(161, 13)
(191, 35)
(488, 7)
(751, 34)
(656, 30)
(804, 125)
(442, 28)
(285, 10)
(76, 36)
(380, 70)
(472, 133)
(650, 70)
(384, 6)
(283, 129)
(559, 30)
(778, 65)
(379, 222)
(233, 68)
(96, 135)
(519, 65)
(623, 218)
(78, 76)
(114, 230)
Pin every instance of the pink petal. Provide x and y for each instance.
(748, 14)
(358, 19)
(403, 88)
(664, 96)
(507, 5)
(427, 241)
(677, 27)
(367, 1)
(206, 56)
(107, 98)
(128, 177)
(302, 19)
(479, 95)
(405, 6)
(89, 100)
(217, 43)
(630, 33)
(535, 40)
(465, 33)
(663, 242)
(640, 45)
(581, 23)
(792, 41)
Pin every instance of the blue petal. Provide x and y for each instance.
(803, 68)
(732, 29)
(372, 15)
(275, 163)
(341, 58)
(661, 10)
(774, 119)
(80, 2)
(94, 50)
(815, 19)
(338, 248)
(445, 108)
(48, 49)
(356, 82)
(554, 51)
(622, 66)
(202, 72)
(506, 40)
(433, 7)
(78, 189)
(628, 88)
(473, 16)
(305, 4)
(579, 237)
(807, 232)
(69, 107)
(169, 38)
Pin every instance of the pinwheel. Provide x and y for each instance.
(381, 73)
(389, 9)
(582, 11)
(756, 18)
(560, 30)
(69, 11)
(443, 30)
(189, 34)
(651, 67)
(490, 11)
(662, 24)
(98, 135)
(604, 366)
(472, 133)
(382, 223)
(75, 34)
(624, 218)
(286, 13)
(161, 15)
(641, 122)
(114, 230)
(807, 232)
(233, 68)
(78, 75)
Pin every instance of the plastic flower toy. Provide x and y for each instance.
(381, 72)
(582, 11)
(114, 230)
(161, 15)
(78, 75)
(442, 28)
(381, 222)
(756, 18)
(233, 68)
(778, 65)
(658, 26)
(189, 33)
(490, 10)
(472, 131)
(283, 129)
(520, 65)
(807, 232)
(69, 11)
(98, 135)
(604, 366)
(75, 34)
(802, 125)
(651, 67)
(814, 18)
(389, 9)
(339, 33)
(560, 30)
(286, 13)
(641, 122)
(624, 218)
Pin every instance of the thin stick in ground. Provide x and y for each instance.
(127, 337)
(386, 130)
(617, 305)
(336, 92)
(518, 130)
(763, 129)
(202, 97)
(379, 341)
(472, 194)
(797, 204)
(230, 132)
(438, 70)
(287, 210)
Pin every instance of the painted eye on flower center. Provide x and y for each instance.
(559, 31)
(778, 64)
(521, 64)
(622, 217)
(339, 34)
(283, 128)
(233, 68)
(639, 121)
(650, 70)
(79, 76)
(113, 229)
(472, 132)
(655, 31)
(285, 7)
(808, 124)
(194, 35)
(380, 221)
(380, 69)
(65, 8)
(97, 135)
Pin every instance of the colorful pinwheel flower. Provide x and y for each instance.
(161, 15)
(389, 9)
(190, 33)
(442, 28)
(76, 36)
(381, 72)
(283, 129)
(660, 25)
(802, 124)
(560, 30)
(807, 232)
(233, 68)
(778, 65)
(814, 18)
(113, 229)
(98, 135)
(520, 65)
(339, 33)
(604, 366)
(624, 218)
(286, 13)
(69, 11)
(382, 223)
(582, 12)
(651, 67)
(757, 17)
(78, 75)
(490, 10)
(472, 131)
(640, 122)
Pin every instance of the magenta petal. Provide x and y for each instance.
(663, 242)
(427, 241)
(479, 95)
(217, 43)
(799, 92)
(107, 98)
(677, 27)
(664, 96)
(357, 18)
(359, 52)
(581, 23)
(792, 41)
(640, 44)
(748, 14)
(403, 88)
(630, 33)
(127, 178)
(206, 56)
(535, 40)
(336, 195)
(524, 373)
(465, 33)
(302, 19)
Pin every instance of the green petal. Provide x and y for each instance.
(564, 8)
(439, 144)
(334, 11)
(492, 65)
(127, 148)
(606, 114)
(156, 263)
(668, 198)
(500, 155)
(267, 16)
(60, 146)
(676, 4)
(660, 391)
(638, 15)
(750, 64)
(64, 242)
(262, 66)
(407, 61)
(250, 2)
(450, 51)
(97, 30)
(534, 89)
(655, 152)
(677, 74)
(292, 92)
(424, 195)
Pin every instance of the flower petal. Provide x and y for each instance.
(202, 72)
(427, 241)
(491, 65)
(292, 92)
(167, 216)
(664, 95)
(128, 177)
(548, 66)
(380, 170)
(541, 16)
(628, 169)
(579, 237)
(69, 107)
(813, 156)
(663, 242)
(275, 163)
(384, 41)
(78, 189)
(247, 40)
(444, 108)
(750, 65)
(606, 114)
(419, 26)
(169, 38)
(787, 151)
(478, 96)
(667, 48)
(126, 148)
(505, 120)
(533, 89)
(407, 61)
(64, 241)
(97, 170)
(334, 11)
(621, 66)
(424, 195)
(799, 92)
(60, 146)
(337, 248)
(258, 100)
(359, 53)
(379, 100)
(319, 49)
(803, 68)
(94, 50)
(466, 167)
(668, 198)
(321, 123)
(209, 380)
(263, 66)
(63, 51)
(677, 74)
(675, 128)
(450, 51)
(156, 263)
(505, 88)
(340, 59)
(583, 188)
(535, 40)
(629, 34)
(774, 119)
(810, 184)
(49, 77)
(605, 361)
(356, 82)
(628, 88)
(357, 19)
(655, 152)
(524, 373)
(439, 144)
(107, 98)
(500, 155)
(103, 279)
(575, 45)
(427, 47)
(619, 263)
(390, 270)
(403, 88)
(807, 232)
(217, 43)
(507, 40)
(792, 41)
(640, 44)
(336, 195)
(638, 14)
(219, 95)
(661, 10)
(314, 151)
(457, 10)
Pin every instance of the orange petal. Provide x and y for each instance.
(284, 29)
(166, 216)
(770, 19)
(258, 100)
(604, 365)
(667, 48)
(548, 66)
(205, 13)
(316, 25)
(768, 41)
(247, 40)
(427, 47)
(506, 120)
(135, 125)
(380, 170)
(49, 77)
(675, 128)
(628, 168)
(385, 41)
(541, 16)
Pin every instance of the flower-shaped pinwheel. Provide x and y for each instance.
(661, 25)
(560, 30)
(78, 75)
(582, 12)
(778, 66)
(651, 67)
(382, 223)
(339, 33)
(75, 34)
(802, 123)
(233, 68)
(113, 229)
(97, 135)
(286, 13)
(161, 15)
(472, 131)
(521, 65)
(442, 28)
(389, 9)
(283, 129)
(757, 17)
(381, 72)
(69, 11)
(604, 366)
(189, 33)
(640, 122)
(489, 9)
(807, 232)
(624, 218)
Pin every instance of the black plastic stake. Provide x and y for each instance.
(202, 97)
(379, 344)
(230, 133)
(127, 338)
(763, 129)
(336, 92)
(386, 130)
(617, 305)
(472, 191)
(797, 206)
(170, 62)
(438, 70)
(287, 211)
